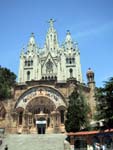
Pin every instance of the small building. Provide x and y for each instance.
(86, 139)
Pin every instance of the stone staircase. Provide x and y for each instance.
(34, 142)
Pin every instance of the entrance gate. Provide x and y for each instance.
(41, 126)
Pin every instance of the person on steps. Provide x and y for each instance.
(6, 147)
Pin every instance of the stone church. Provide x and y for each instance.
(46, 78)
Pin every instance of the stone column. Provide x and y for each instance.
(14, 118)
(55, 116)
(65, 115)
(25, 122)
(53, 119)
(59, 119)
(30, 121)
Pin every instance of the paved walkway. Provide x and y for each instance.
(34, 142)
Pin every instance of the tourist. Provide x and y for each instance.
(89, 147)
(6, 147)
(103, 147)
(0, 140)
(97, 146)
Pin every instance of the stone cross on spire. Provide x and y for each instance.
(51, 22)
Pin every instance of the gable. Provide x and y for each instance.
(49, 58)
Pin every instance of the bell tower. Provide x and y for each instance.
(90, 76)
(91, 85)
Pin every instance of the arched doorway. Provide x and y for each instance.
(41, 109)
(20, 111)
(38, 102)
(62, 110)
(41, 125)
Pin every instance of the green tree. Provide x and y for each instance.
(77, 113)
(7, 81)
(104, 98)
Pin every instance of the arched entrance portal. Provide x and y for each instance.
(43, 110)
(40, 104)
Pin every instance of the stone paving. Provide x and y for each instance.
(34, 142)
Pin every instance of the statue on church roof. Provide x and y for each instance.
(51, 22)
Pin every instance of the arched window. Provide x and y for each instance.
(28, 63)
(51, 37)
(25, 62)
(71, 72)
(73, 60)
(49, 66)
(31, 62)
(70, 60)
(28, 75)
(20, 118)
(55, 77)
(67, 60)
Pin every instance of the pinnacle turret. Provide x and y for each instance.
(68, 37)
(69, 44)
(32, 39)
(32, 46)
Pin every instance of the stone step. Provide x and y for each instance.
(49, 130)
(34, 142)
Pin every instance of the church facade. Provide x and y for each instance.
(46, 78)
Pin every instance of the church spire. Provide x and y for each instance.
(68, 41)
(32, 44)
(32, 39)
(68, 37)
(51, 42)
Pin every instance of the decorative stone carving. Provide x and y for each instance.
(43, 91)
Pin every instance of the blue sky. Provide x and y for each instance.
(89, 21)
